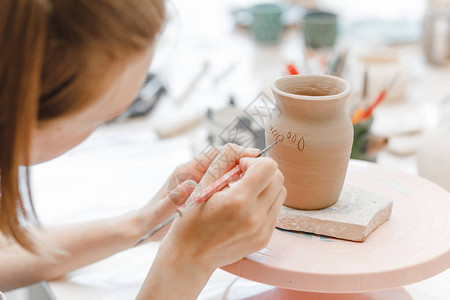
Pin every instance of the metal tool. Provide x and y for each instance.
(216, 186)
(263, 151)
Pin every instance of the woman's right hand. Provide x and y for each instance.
(233, 223)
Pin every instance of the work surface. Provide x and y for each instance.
(122, 165)
(411, 246)
(120, 276)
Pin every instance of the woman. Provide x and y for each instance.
(67, 67)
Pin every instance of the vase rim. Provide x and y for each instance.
(344, 93)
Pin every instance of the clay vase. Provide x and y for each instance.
(316, 136)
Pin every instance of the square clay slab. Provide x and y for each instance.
(355, 215)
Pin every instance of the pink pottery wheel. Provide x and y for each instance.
(413, 245)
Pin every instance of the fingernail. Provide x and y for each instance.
(188, 186)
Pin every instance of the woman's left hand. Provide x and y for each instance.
(182, 182)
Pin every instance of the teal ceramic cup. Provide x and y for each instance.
(266, 25)
(361, 133)
(320, 29)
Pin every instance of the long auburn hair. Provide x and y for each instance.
(53, 54)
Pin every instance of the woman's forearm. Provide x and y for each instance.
(173, 276)
(64, 249)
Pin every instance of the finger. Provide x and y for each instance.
(200, 163)
(225, 160)
(245, 163)
(161, 210)
(274, 210)
(278, 202)
(257, 174)
(181, 193)
(196, 168)
(177, 178)
(269, 194)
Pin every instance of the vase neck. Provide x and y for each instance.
(310, 108)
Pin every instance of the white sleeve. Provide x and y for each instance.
(2, 297)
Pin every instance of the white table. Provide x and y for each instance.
(122, 177)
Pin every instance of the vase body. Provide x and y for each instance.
(316, 136)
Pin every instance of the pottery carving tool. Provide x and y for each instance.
(192, 84)
(225, 73)
(359, 111)
(215, 187)
(365, 83)
(360, 115)
(381, 97)
(292, 69)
